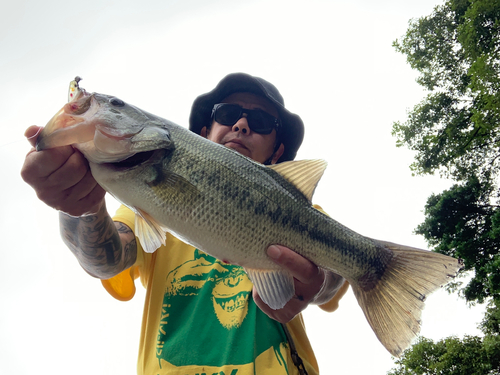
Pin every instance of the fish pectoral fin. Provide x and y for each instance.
(275, 287)
(304, 174)
(172, 184)
(150, 233)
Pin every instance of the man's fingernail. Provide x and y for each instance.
(274, 252)
(28, 134)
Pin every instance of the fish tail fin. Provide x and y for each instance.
(394, 305)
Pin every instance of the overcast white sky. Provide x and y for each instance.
(334, 64)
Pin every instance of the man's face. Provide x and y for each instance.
(240, 137)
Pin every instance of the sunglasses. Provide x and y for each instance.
(258, 121)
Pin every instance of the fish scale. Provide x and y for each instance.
(233, 208)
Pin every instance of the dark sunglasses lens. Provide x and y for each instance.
(258, 121)
(227, 114)
(261, 122)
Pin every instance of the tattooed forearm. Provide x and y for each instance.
(122, 228)
(102, 247)
(128, 241)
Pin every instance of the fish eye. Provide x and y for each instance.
(116, 102)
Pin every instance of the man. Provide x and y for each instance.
(200, 314)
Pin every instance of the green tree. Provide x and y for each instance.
(455, 132)
(451, 356)
(462, 222)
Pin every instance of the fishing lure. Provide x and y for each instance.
(74, 89)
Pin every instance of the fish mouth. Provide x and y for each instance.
(59, 131)
(137, 159)
(80, 105)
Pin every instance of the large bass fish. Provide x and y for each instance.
(234, 208)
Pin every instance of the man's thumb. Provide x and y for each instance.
(32, 134)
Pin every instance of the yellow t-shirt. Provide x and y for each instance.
(200, 318)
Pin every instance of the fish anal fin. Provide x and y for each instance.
(150, 233)
(394, 305)
(275, 287)
(304, 174)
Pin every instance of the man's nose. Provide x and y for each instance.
(241, 126)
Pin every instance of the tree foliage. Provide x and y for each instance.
(455, 131)
(462, 222)
(451, 356)
(457, 52)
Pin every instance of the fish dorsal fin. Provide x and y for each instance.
(150, 233)
(275, 287)
(304, 174)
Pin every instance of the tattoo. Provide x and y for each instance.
(128, 242)
(130, 252)
(122, 228)
(97, 241)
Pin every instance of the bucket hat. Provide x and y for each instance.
(292, 132)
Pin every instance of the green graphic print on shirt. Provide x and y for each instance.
(210, 319)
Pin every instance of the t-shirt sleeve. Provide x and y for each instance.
(333, 304)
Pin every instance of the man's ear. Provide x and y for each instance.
(278, 154)
(203, 132)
